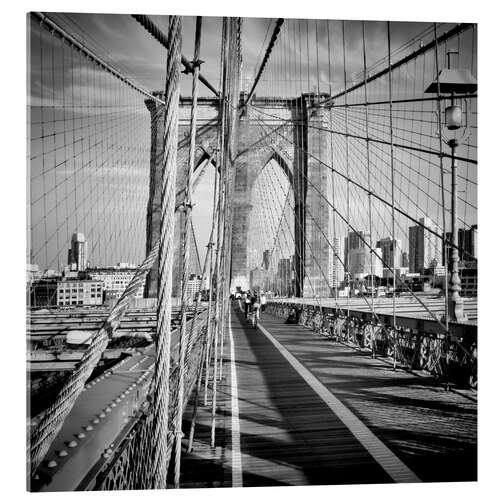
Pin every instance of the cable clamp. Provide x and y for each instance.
(196, 63)
(184, 206)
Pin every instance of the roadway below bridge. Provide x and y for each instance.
(101, 412)
(296, 408)
(99, 420)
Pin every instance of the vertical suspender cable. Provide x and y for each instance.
(347, 259)
(219, 227)
(392, 195)
(372, 339)
(336, 258)
(204, 355)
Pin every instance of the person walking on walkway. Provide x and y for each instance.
(263, 302)
(247, 301)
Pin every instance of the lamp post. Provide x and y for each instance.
(455, 301)
(453, 131)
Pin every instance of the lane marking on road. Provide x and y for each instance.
(392, 465)
(236, 474)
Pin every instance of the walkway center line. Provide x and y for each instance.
(236, 476)
(394, 467)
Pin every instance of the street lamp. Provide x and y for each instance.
(454, 130)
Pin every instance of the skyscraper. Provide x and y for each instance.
(336, 266)
(360, 264)
(386, 244)
(257, 278)
(404, 259)
(284, 277)
(354, 241)
(467, 243)
(77, 255)
(265, 259)
(424, 247)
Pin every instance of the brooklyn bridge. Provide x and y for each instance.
(250, 267)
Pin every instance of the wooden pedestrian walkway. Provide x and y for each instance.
(312, 411)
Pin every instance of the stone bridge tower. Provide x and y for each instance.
(293, 132)
(289, 131)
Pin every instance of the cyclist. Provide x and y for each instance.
(247, 301)
(255, 309)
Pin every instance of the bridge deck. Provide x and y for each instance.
(331, 415)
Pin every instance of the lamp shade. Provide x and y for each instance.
(453, 81)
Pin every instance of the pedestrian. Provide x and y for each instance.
(248, 301)
(263, 302)
(255, 309)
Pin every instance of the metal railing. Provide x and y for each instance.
(414, 343)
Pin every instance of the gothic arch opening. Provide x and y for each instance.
(271, 229)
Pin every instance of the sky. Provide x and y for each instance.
(89, 149)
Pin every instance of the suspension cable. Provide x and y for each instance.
(55, 28)
(158, 35)
(274, 37)
(185, 254)
(161, 375)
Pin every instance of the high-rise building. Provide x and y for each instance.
(265, 259)
(284, 277)
(77, 255)
(389, 248)
(360, 264)
(194, 285)
(425, 248)
(115, 280)
(467, 243)
(404, 259)
(355, 240)
(336, 271)
(257, 278)
(79, 292)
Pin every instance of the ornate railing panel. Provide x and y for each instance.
(414, 343)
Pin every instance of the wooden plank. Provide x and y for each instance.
(433, 430)
(281, 418)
